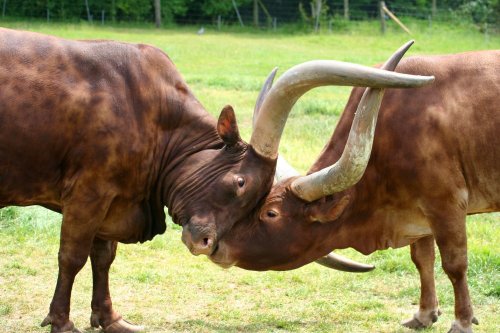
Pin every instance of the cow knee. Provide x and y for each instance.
(72, 262)
(455, 268)
(103, 254)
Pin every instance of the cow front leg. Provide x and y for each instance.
(423, 256)
(102, 255)
(74, 250)
(451, 239)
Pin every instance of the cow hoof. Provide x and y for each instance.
(413, 324)
(123, 326)
(457, 328)
(69, 327)
(422, 320)
(94, 320)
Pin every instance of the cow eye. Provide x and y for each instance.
(240, 181)
(271, 213)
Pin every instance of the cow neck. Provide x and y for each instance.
(359, 227)
(197, 132)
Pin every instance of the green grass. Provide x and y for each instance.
(159, 284)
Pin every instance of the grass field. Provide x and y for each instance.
(160, 285)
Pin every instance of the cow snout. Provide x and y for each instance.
(199, 240)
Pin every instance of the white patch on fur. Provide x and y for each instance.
(456, 327)
(401, 228)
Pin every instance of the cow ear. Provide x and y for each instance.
(227, 127)
(325, 211)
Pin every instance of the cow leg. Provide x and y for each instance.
(423, 256)
(74, 250)
(451, 239)
(101, 257)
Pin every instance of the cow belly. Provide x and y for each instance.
(485, 199)
(401, 228)
(18, 189)
(131, 223)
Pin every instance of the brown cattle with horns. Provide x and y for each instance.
(435, 159)
(108, 134)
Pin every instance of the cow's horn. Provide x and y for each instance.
(341, 263)
(263, 93)
(349, 169)
(283, 169)
(298, 80)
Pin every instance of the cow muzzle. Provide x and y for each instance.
(199, 239)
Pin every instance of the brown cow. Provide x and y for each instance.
(108, 134)
(435, 159)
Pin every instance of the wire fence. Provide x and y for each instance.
(268, 14)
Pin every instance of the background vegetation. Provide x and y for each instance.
(159, 284)
(299, 12)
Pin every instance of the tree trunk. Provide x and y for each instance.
(256, 13)
(89, 18)
(318, 14)
(157, 13)
(113, 11)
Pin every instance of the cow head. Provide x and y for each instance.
(299, 219)
(224, 184)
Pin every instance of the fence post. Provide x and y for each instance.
(219, 22)
(102, 17)
(275, 24)
(238, 14)
(433, 8)
(3, 9)
(382, 16)
(48, 14)
(269, 18)
(395, 19)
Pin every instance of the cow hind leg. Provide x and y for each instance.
(101, 256)
(451, 238)
(423, 256)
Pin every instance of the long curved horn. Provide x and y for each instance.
(283, 169)
(299, 79)
(349, 169)
(341, 263)
(263, 93)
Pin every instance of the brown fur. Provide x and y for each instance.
(108, 133)
(435, 159)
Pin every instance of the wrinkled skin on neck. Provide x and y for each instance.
(204, 173)
(290, 228)
(205, 194)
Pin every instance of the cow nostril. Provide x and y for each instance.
(207, 242)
